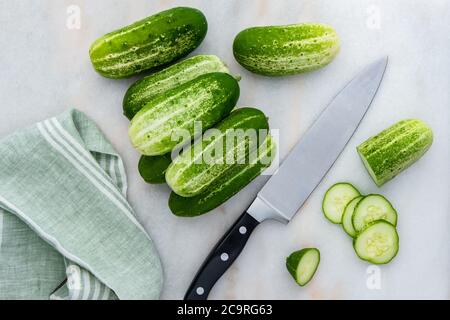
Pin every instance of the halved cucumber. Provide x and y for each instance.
(336, 199)
(378, 243)
(372, 208)
(302, 264)
(347, 216)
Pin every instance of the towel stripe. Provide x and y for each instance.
(12, 208)
(86, 285)
(96, 291)
(106, 293)
(1, 227)
(82, 155)
(88, 161)
(51, 139)
(123, 176)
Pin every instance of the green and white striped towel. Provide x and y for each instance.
(66, 228)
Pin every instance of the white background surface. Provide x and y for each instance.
(45, 69)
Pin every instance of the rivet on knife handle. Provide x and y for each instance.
(221, 257)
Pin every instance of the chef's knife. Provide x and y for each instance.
(298, 175)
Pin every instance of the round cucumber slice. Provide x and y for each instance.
(302, 265)
(336, 199)
(378, 243)
(347, 216)
(372, 208)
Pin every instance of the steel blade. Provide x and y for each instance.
(318, 149)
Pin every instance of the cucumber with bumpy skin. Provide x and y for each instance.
(336, 199)
(302, 265)
(284, 50)
(153, 168)
(206, 99)
(378, 243)
(347, 223)
(373, 207)
(219, 151)
(149, 43)
(225, 187)
(143, 90)
(395, 149)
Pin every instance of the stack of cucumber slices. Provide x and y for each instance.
(370, 220)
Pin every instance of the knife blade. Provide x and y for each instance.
(318, 149)
(299, 174)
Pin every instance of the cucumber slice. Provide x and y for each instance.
(372, 208)
(302, 264)
(378, 243)
(336, 199)
(347, 223)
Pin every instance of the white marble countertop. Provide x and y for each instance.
(45, 69)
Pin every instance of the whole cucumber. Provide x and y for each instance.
(153, 168)
(285, 50)
(191, 173)
(143, 90)
(395, 149)
(149, 43)
(206, 99)
(226, 186)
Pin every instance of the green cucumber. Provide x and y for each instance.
(149, 43)
(206, 99)
(201, 164)
(285, 50)
(336, 199)
(143, 90)
(395, 149)
(378, 243)
(302, 265)
(153, 169)
(227, 186)
(347, 223)
(373, 207)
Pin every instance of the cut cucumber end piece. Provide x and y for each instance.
(336, 199)
(371, 208)
(153, 168)
(347, 223)
(302, 265)
(394, 149)
(378, 243)
(378, 182)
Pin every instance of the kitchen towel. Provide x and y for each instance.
(66, 228)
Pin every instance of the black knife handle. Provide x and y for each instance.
(221, 257)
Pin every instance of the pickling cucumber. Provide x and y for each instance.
(153, 168)
(347, 223)
(143, 90)
(284, 50)
(201, 164)
(226, 186)
(206, 99)
(378, 243)
(373, 207)
(302, 265)
(149, 43)
(336, 199)
(395, 149)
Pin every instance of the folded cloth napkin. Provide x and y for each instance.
(66, 228)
